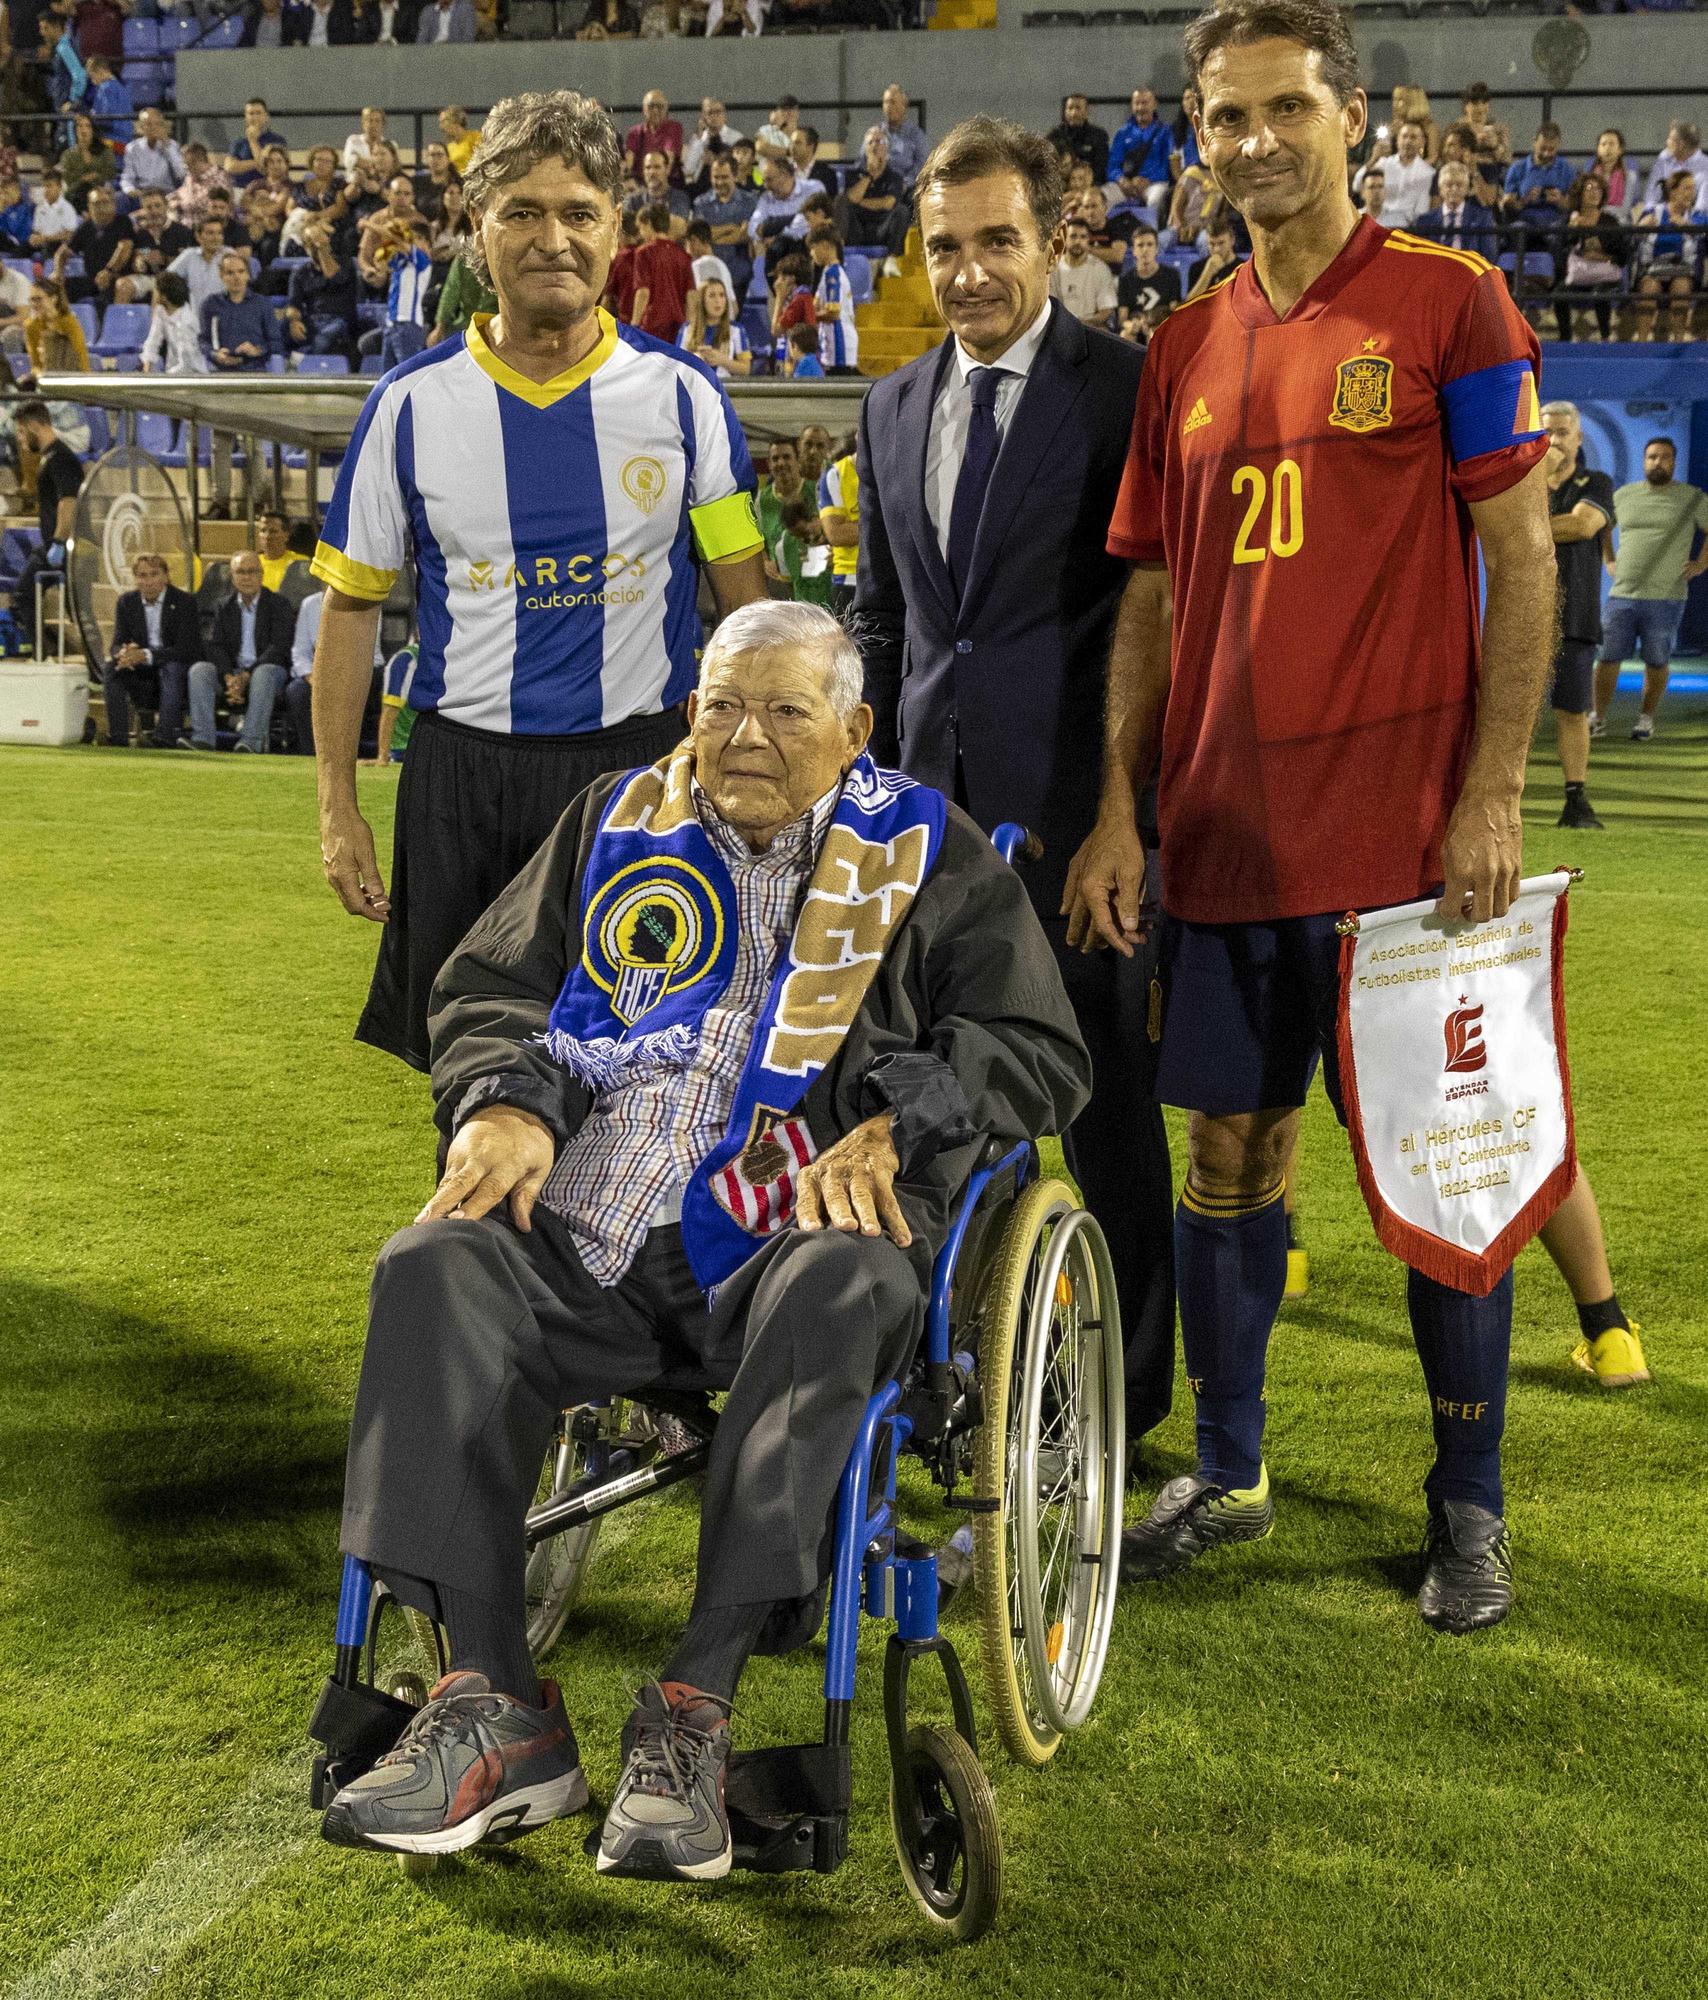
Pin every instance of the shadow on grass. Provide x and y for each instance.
(185, 1459)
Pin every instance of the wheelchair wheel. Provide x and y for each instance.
(557, 1567)
(1049, 1453)
(953, 1866)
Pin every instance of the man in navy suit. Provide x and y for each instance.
(156, 638)
(988, 471)
(1456, 220)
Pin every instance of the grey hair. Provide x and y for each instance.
(879, 133)
(537, 125)
(776, 623)
(1560, 407)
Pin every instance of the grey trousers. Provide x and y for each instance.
(479, 1335)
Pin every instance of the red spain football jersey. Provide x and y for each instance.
(1308, 480)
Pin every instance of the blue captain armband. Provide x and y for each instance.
(1492, 410)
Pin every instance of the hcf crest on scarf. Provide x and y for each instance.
(658, 947)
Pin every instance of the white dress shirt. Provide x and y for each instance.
(952, 416)
(317, 21)
(246, 616)
(1405, 187)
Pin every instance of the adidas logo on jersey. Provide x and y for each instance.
(1197, 420)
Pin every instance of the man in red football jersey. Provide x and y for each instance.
(1321, 443)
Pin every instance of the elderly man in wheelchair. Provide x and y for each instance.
(715, 1069)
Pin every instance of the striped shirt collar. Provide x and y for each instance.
(797, 845)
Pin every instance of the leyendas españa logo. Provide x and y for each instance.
(1463, 1033)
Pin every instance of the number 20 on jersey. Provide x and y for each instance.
(1274, 523)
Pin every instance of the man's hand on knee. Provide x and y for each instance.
(503, 1151)
(852, 1186)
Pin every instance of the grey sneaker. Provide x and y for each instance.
(473, 1765)
(1191, 1517)
(668, 1821)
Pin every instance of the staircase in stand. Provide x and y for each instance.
(901, 323)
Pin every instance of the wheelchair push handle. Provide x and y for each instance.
(1011, 839)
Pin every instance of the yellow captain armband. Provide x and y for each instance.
(355, 579)
(726, 528)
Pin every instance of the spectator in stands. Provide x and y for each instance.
(221, 208)
(1537, 189)
(52, 335)
(406, 261)
(435, 176)
(389, 225)
(276, 177)
(1079, 138)
(804, 556)
(1682, 154)
(361, 142)
(90, 161)
(746, 160)
(368, 188)
(271, 24)
(619, 297)
(68, 82)
(709, 267)
(609, 21)
(655, 191)
(1457, 220)
(1493, 141)
(655, 131)
(202, 179)
(833, 303)
(157, 637)
(1138, 153)
(1084, 284)
(99, 26)
(782, 484)
(800, 352)
(445, 21)
(460, 140)
(243, 163)
(776, 209)
(792, 305)
(907, 143)
(14, 306)
(460, 297)
(1217, 262)
(775, 137)
(385, 23)
(1669, 259)
(174, 342)
(321, 317)
(1108, 236)
(1407, 177)
(109, 101)
(1595, 262)
(873, 211)
(105, 241)
(53, 220)
(156, 240)
(152, 159)
(299, 689)
(1618, 176)
(712, 335)
(1191, 205)
(273, 546)
(240, 329)
(17, 218)
(803, 151)
(713, 124)
(1373, 190)
(323, 192)
(59, 479)
(451, 228)
(663, 276)
(247, 660)
(200, 268)
(727, 212)
(1459, 147)
(1147, 292)
(1184, 153)
(1411, 107)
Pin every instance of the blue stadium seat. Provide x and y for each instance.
(74, 267)
(158, 435)
(125, 364)
(22, 266)
(176, 34)
(1135, 212)
(100, 436)
(1538, 264)
(276, 364)
(17, 545)
(142, 38)
(371, 365)
(147, 81)
(84, 313)
(1180, 257)
(322, 364)
(859, 271)
(123, 330)
(225, 34)
(370, 312)
(19, 365)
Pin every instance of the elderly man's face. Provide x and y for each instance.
(1143, 104)
(246, 572)
(1565, 437)
(151, 125)
(767, 740)
(1455, 185)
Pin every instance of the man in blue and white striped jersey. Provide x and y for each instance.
(558, 481)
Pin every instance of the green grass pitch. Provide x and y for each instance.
(1287, 1786)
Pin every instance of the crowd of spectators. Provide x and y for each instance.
(1583, 240)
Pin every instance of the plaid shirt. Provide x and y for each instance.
(623, 1173)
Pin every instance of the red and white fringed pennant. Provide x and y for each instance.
(1452, 1041)
(757, 1188)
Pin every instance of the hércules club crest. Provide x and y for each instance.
(1363, 393)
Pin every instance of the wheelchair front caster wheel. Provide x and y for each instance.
(946, 1833)
(415, 1866)
(409, 1687)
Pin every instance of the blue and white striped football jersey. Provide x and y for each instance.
(838, 338)
(553, 527)
(406, 295)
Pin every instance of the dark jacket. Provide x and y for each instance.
(968, 976)
(1476, 231)
(367, 22)
(275, 627)
(462, 21)
(1009, 677)
(180, 627)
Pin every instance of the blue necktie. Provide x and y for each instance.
(983, 440)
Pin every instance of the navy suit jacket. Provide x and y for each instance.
(180, 627)
(275, 628)
(1009, 677)
(1476, 232)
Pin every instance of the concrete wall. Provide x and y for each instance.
(1021, 72)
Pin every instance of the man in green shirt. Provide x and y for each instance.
(1657, 517)
(783, 484)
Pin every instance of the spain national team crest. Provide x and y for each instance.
(653, 929)
(1363, 393)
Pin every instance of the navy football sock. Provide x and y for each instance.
(1230, 1269)
(1463, 1343)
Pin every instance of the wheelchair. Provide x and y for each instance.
(1014, 1404)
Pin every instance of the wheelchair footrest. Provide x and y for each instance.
(788, 1807)
(358, 1725)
